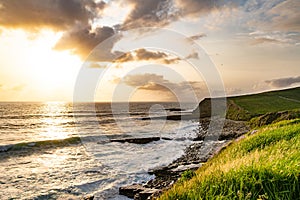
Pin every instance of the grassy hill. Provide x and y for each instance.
(248, 106)
(264, 165)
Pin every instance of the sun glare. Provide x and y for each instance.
(43, 69)
(52, 68)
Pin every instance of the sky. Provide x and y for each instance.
(146, 50)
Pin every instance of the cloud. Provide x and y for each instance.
(197, 36)
(73, 17)
(143, 54)
(142, 80)
(96, 65)
(149, 13)
(261, 40)
(260, 37)
(195, 7)
(55, 14)
(193, 55)
(286, 15)
(126, 57)
(157, 83)
(82, 40)
(159, 13)
(276, 19)
(284, 82)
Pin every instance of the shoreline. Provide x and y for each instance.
(194, 157)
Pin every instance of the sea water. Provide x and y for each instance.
(96, 166)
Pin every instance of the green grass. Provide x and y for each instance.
(264, 165)
(187, 175)
(249, 106)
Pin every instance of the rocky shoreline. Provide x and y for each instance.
(195, 155)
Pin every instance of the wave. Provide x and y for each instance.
(39, 144)
(71, 115)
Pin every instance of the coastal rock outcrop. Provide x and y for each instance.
(138, 191)
(195, 155)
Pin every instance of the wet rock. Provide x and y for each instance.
(165, 138)
(6, 148)
(137, 140)
(147, 194)
(173, 117)
(174, 109)
(138, 192)
(131, 190)
(88, 197)
(199, 138)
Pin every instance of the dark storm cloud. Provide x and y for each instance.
(284, 82)
(143, 54)
(56, 14)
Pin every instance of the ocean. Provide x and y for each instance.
(40, 160)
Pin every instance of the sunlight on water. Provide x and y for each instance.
(53, 130)
(55, 108)
(58, 158)
(56, 117)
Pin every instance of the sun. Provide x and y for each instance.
(49, 67)
(30, 58)
(53, 69)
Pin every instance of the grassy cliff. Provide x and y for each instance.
(264, 165)
(248, 106)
